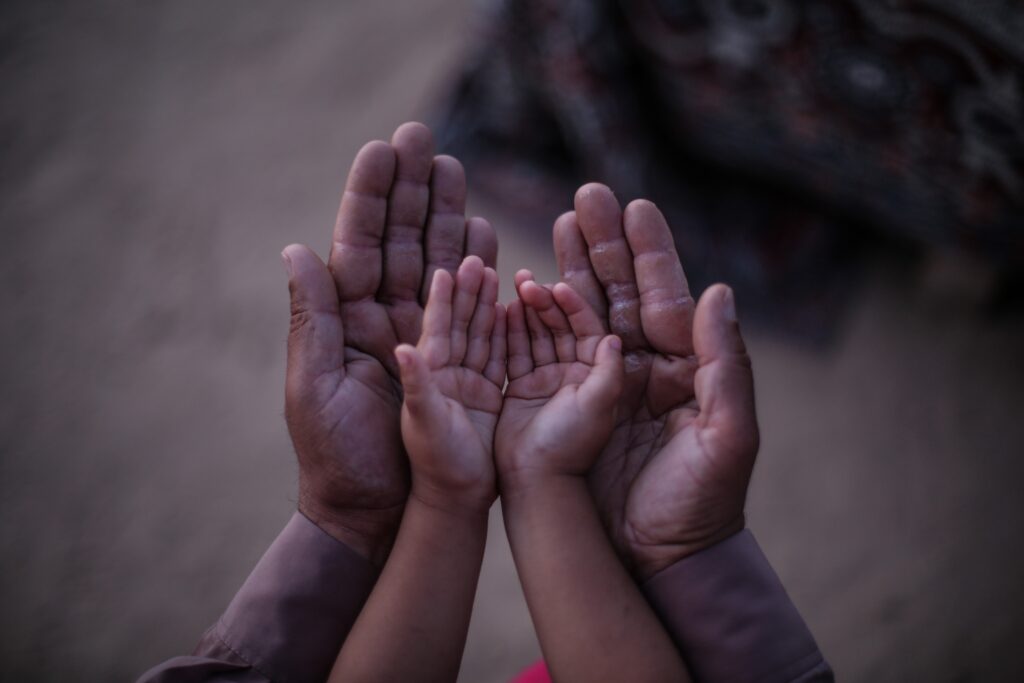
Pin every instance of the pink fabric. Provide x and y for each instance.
(535, 673)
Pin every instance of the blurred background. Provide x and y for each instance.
(855, 168)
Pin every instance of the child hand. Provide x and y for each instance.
(452, 381)
(565, 376)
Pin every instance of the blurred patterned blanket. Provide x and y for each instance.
(779, 136)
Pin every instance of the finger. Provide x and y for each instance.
(520, 358)
(724, 383)
(435, 343)
(424, 401)
(481, 327)
(496, 364)
(356, 260)
(407, 213)
(586, 327)
(521, 276)
(445, 236)
(468, 280)
(573, 258)
(541, 300)
(601, 389)
(316, 342)
(542, 346)
(600, 221)
(482, 241)
(666, 307)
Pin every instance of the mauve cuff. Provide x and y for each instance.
(291, 616)
(731, 618)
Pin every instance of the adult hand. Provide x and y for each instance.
(673, 478)
(401, 218)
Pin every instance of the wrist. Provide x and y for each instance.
(466, 502)
(519, 478)
(528, 484)
(650, 557)
(369, 533)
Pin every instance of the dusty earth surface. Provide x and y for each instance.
(155, 157)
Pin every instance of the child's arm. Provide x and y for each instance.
(564, 380)
(413, 627)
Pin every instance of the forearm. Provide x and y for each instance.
(592, 621)
(413, 627)
(732, 619)
(289, 619)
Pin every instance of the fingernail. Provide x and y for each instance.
(729, 305)
(287, 261)
(615, 343)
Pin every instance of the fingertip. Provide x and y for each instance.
(295, 256)
(375, 148)
(566, 219)
(404, 354)
(413, 131)
(590, 190)
(521, 276)
(448, 163)
(286, 259)
(614, 342)
(641, 206)
(720, 299)
(441, 278)
(716, 329)
(472, 263)
(728, 305)
(564, 294)
(532, 294)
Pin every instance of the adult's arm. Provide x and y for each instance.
(288, 620)
(401, 218)
(732, 619)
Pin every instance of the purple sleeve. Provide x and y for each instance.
(731, 618)
(289, 619)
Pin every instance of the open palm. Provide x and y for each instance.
(401, 218)
(672, 478)
(564, 379)
(452, 381)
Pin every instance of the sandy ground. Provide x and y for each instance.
(155, 158)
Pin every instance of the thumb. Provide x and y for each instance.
(423, 399)
(315, 338)
(724, 383)
(601, 389)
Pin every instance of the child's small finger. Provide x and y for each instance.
(542, 344)
(543, 302)
(480, 327)
(467, 288)
(496, 364)
(520, 359)
(435, 341)
(587, 326)
(423, 400)
(601, 389)
(522, 276)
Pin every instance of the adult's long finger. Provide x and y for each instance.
(666, 307)
(600, 221)
(445, 236)
(407, 213)
(356, 259)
